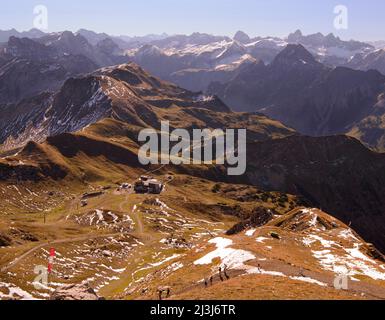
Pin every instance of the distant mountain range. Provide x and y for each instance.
(366, 61)
(378, 44)
(92, 37)
(184, 58)
(91, 113)
(30, 66)
(124, 93)
(309, 96)
(294, 80)
(72, 106)
(33, 33)
(196, 60)
(271, 81)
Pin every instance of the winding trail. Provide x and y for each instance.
(59, 241)
(138, 221)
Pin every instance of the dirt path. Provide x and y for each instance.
(371, 292)
(59, 241)
(216, 280)
(138, 221)
(73, 203)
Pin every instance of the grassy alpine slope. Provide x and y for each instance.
(127, 246)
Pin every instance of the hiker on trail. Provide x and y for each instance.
(211, 280)
(220, 273)
(161, 290)
(206, 283)
(259, 268)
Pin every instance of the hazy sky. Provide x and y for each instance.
(225, 17)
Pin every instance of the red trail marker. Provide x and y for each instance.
(51, 258)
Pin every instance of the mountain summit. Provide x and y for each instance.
(304, 94)
(242, 37)
(294, 54)
(72, 110)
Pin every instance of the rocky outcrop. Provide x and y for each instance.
(304, 94)
(75, 292)
(373, 60)
(5, 241)
(259, 217)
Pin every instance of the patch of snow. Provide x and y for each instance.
(309, 280)
(233, 258)
(175, 266)
(270, 273)
(261, 239)
(354, 262)
(114, 270)
(254, 270)
(15, 292)
(356, 253)
(156, 264)
(127, 218)
(204, 98)
(347, 234)
(250, 232)
(314, 238)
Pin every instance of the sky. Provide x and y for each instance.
(223, 17)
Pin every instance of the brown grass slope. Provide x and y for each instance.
(336, 173)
